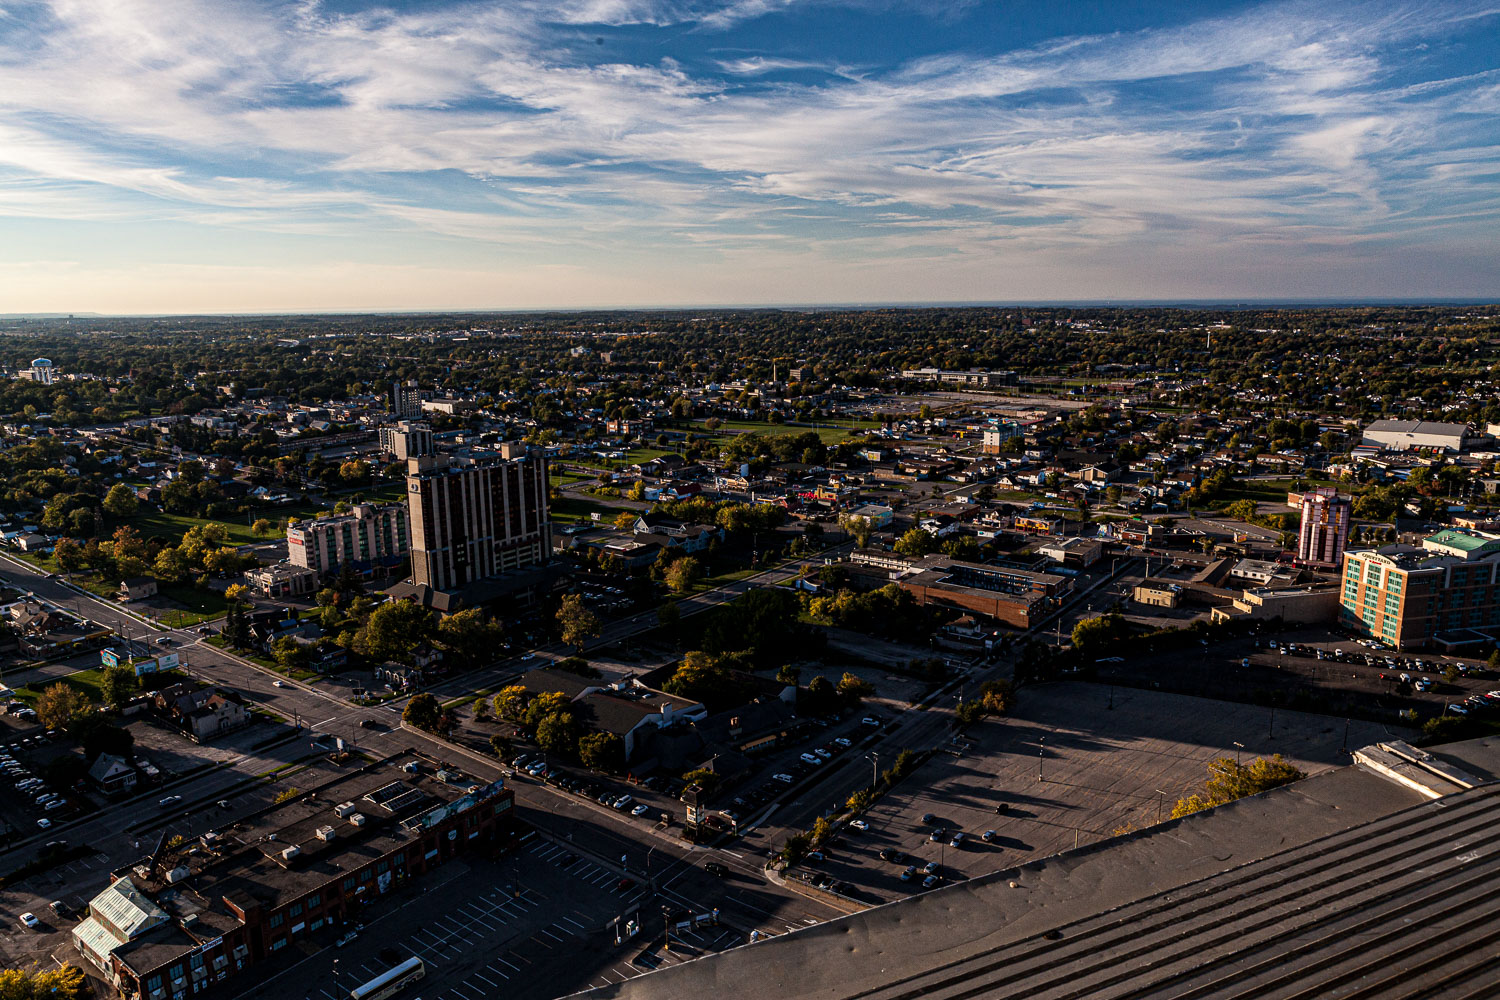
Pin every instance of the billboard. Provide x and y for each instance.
(109, 657)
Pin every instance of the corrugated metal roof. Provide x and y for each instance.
(96, 942)
(123, 906)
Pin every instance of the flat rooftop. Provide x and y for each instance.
(1347, 883)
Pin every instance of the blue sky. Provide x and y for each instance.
(251, 155)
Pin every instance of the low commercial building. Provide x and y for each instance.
(1016, 597)
(282, 580)
(1157, 594)
(201, 913)
(1079, 553)
(1293, 605)
(1406, 435)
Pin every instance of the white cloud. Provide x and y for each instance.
(504, 125)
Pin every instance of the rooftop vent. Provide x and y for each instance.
(291, 852)
(343, 810)
(177, 874)
(358, 819)
(325, 833)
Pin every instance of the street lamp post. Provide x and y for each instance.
(1041, 753)
(1160, 798)
(874, 769)
(1238, 746)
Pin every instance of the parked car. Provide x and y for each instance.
(640, 810)
(931, 868)
(622, 802)
(929, 881)
(716, 869)
(936, 835)
(988, 836)
(892, 855)
(859, 825)
(808, 758)
(169, 801)
(625, 885)
(29, 921)
(787, 778)
(909, 873)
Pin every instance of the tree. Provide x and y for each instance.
(469, 634)
(558, 733)
(500, 746)
(121, 501)
(423, 711)
(916, 543)
(236, 592)
(97, 735)
(69, 555)
(579, 624)
(819, 697)
(858, 527)
(577, 665)
(118, 685)
(1093, 635)
(602, 751)
(510, 703)
(789, 674)
(853, 690)
(170, 566)
(1228, 780)
(59, 705)
(625, 519)
(263, 527)
(669, 615)
(997, 697)
(394, 630)
(763, 624)
(289, 654)
(545, 704)
(683, 574)
(66, 983)
(700, 677)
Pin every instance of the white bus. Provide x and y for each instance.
(391, 981)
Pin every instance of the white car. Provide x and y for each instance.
(842, 741)
(859, 825)
(528, 656)
(787, 778)
(622, 802)
(808, 758)
(29, 921)
(44, 823)
(640, 810)
(278, 684)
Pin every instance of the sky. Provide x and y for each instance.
(182, 156)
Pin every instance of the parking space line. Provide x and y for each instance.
(513, 968)
(574, 923)
(480, 975)
(559, 927)
(543, 930)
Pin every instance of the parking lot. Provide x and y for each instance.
(538, 922)
(1069, 770)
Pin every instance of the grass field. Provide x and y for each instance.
(827, 433)
(199, 605)
(85, 682)
(572, 510)
(1265, 491)
(171, 527)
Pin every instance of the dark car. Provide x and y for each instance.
(625, 885)
(892, 855)
(714, 868)
(370, 724)
(928, 819)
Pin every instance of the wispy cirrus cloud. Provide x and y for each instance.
(536, 128)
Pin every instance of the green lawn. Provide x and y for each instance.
(1265, 491)
(85, 682)
(200, 605)
(171, 527)
(572, 510)
(827, 433)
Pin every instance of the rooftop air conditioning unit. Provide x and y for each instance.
(178, 874)
(290, 853)
(343, 810)
(358, 819)
(325, 833)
